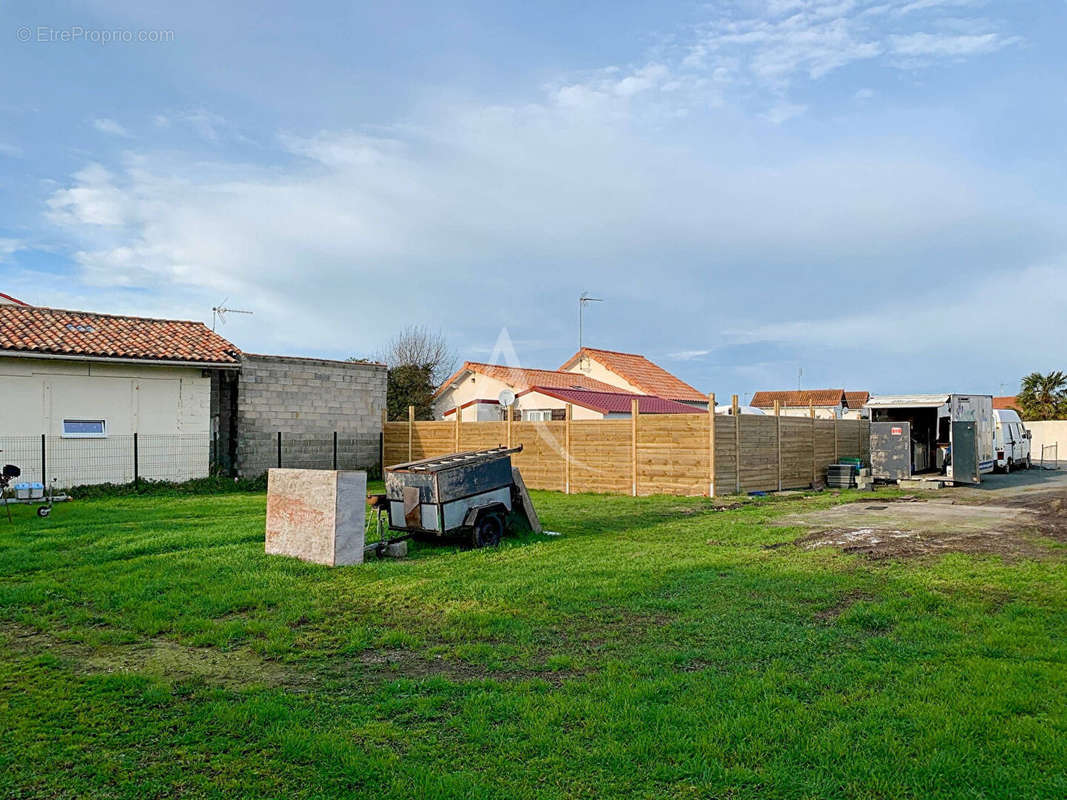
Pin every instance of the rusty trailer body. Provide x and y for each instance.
(455, 494)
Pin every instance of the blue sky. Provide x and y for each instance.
(870, 191)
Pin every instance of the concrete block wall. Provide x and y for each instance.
(307, 399)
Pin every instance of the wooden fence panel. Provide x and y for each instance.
(825, 447)
(725, 455)
(796, 452)
(600, 456)
(482, 435)
(541, 461)
(670, 451)
(431, 439)
(759, 453)
(396, 442)
(672, 454)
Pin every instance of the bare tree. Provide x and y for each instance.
(418, 346)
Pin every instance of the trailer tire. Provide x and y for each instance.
(488, 531)
(43, 511)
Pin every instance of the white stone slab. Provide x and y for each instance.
(316, 515)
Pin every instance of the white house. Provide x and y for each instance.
(475, 388)
(87, 382)
(633, 372)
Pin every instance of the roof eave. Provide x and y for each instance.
(156, 362)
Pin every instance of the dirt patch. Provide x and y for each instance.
(394, 663)
(175, 662)
(842, 605)
(1004, 525)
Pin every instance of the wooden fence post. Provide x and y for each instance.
(735, 407)
(567, 448)
(837, 455)
(778, 438)
(381, 440)
(711, 444)
(634, 409)
(455, 432)
(811, 412)
(411, 429)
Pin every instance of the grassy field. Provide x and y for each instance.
(659, 648)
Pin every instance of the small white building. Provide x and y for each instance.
(87, 382)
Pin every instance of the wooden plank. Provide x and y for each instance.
(411, 431)
(711, 444)
(567, 447)
(633, 444)
(525, 502)
(778, 439)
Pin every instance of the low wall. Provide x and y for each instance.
(307, 399)
(1048, 432)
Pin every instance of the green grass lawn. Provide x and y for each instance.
(658, 648)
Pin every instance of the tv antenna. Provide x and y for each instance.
(583, 299)
(219, 312)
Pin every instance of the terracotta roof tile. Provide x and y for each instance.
(1005, 403)
(53, 331)
(801, 398)
(642, 373)
(618, 402)
(857, 399)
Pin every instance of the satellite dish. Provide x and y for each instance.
(506, 397)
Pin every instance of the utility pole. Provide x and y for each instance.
(582, 300)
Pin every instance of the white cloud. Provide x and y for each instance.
(777, 43)
(892, 333)
(8, 247)
(782, 112)
(688, 355)
(93, 199)
(485, 207)
(10, 150)
(110, 127)
(948, 45)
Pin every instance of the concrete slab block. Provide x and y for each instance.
(316, 515)
(393, 550)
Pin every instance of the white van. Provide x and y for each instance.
(1011, 441)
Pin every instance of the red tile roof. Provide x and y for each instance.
(1005, 403)
(642, 373)
(53, 331)
(617, 402)
(857, 399)
(520, 378)
(801, 398)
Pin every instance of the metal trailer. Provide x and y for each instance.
(931, 435)
(465, 494)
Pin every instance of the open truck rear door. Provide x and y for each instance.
(891, 450)
(964, 466)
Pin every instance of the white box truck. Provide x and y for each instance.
(931, 435)
(1011, 441)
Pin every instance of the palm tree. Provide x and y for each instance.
(1043, 396)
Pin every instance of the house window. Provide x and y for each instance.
(84, 428)
(539, 415)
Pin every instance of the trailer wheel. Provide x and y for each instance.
(488, 531)
(43, 511)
